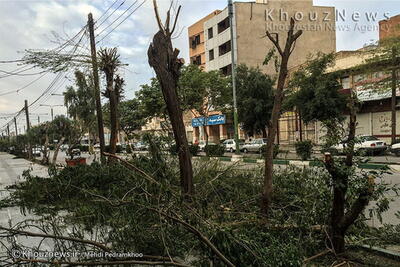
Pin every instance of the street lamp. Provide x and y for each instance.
(235, 111)
(66, 103)
(51, 108)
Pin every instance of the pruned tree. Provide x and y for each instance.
(164, 60)
(319, 99)
(109, 64)
(284, 54)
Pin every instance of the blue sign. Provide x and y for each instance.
(212, 120)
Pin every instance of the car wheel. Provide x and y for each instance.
(231, 150)
(245, 151)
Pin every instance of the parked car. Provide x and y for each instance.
(230, 145)
(366, 143)
(395, 149)
(202, 145)
(74, 152)
(140, 146)
(96, 147)
(255, 145)
(36, 151)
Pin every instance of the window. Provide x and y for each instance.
(210, 33)
(223, 25)
(196, 60)
(345, 83)
(227, 70)
(195, 41)
(211, 54)
(224, 48)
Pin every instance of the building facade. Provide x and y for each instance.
(197, 52)
(250, 23)
(389, 27)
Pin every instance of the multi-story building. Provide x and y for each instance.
(389, 27)
(197, 52)
(251, 20)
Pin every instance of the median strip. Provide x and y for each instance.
(312, 163)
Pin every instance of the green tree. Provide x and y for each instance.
(60, 129)
(326, 105)
(80, 103)
(316, 95)
(151, 100)
(39, 136)
(255, 94)
(201, 92)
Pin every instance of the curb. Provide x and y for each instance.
(313, 163)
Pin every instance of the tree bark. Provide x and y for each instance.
(264, 133)
(276, 110)
(163, 59)
(341, 221)
(113, 122)
(55, 155)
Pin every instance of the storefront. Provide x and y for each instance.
(214, 127)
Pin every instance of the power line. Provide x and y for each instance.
(130, 14)
(107, 10)
(112, 13)
(134, 3)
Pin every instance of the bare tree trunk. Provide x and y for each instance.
(55, 155)
(276, 110)
(113, 121)
(163, 59)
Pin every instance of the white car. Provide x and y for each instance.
(230, 145)
(255, 145)
(369, 144)
(202, 145)
(395, 149)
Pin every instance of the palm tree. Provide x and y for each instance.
(109, 63)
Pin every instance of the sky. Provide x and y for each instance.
(31, 24)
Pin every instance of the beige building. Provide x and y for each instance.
(250, 23)
(196, 41)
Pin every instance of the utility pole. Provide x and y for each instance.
(51, 109)
(38, 119)
(8, 132)
(96, 86)
(15, 124)
(394, 95)
(27, 129)
(235, 111)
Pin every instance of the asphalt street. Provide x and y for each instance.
(11, 170)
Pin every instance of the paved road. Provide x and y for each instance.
(11, 170)
(10, 173)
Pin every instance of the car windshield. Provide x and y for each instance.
(369, 138)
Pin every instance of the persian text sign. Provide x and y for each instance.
(212, 120)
